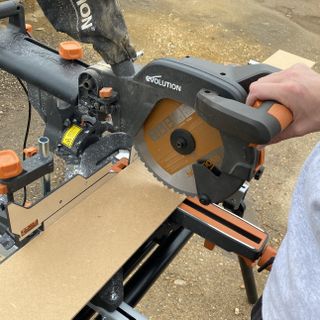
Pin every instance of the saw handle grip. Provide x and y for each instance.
(279, 111)
(253, 125)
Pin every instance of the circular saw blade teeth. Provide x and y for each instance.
(180, 182)
(165, 183)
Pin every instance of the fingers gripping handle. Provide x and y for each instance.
(253, 125)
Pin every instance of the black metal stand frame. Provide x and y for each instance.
(153, 257)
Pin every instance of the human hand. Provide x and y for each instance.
(298, 88)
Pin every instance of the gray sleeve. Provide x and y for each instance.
(98, 22)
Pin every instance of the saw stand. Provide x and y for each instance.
(236, 204)
(217, 225)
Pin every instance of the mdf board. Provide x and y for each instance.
(58, 272)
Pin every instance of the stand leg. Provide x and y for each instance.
(249, 282)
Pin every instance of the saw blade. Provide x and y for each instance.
(172, 139)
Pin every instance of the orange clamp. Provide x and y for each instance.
(267, 254)
(70, 50)
(30, 152)
(10, 164)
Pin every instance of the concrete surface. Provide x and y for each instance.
(200, 284)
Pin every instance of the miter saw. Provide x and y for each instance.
(186, 118)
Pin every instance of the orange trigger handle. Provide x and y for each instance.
(278, 111)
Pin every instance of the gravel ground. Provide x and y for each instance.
(200, 284)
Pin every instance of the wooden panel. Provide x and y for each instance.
(283, 60)
(56, 274)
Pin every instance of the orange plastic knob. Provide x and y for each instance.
(29, 28)
(105, 92)
(70, 50)
(30, 152)
(10, 164)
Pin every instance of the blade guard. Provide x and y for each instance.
(214, 188)
(242, 128)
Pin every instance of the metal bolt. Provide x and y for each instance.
(204, 199)
(181, 143)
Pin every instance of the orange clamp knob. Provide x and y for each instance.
(70, 50)
(10, 164)
(30, 152)
(105, 92)
(29, 28)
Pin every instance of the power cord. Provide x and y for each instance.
(26, 132)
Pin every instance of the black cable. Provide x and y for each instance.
(29, 116)
(26, 133)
